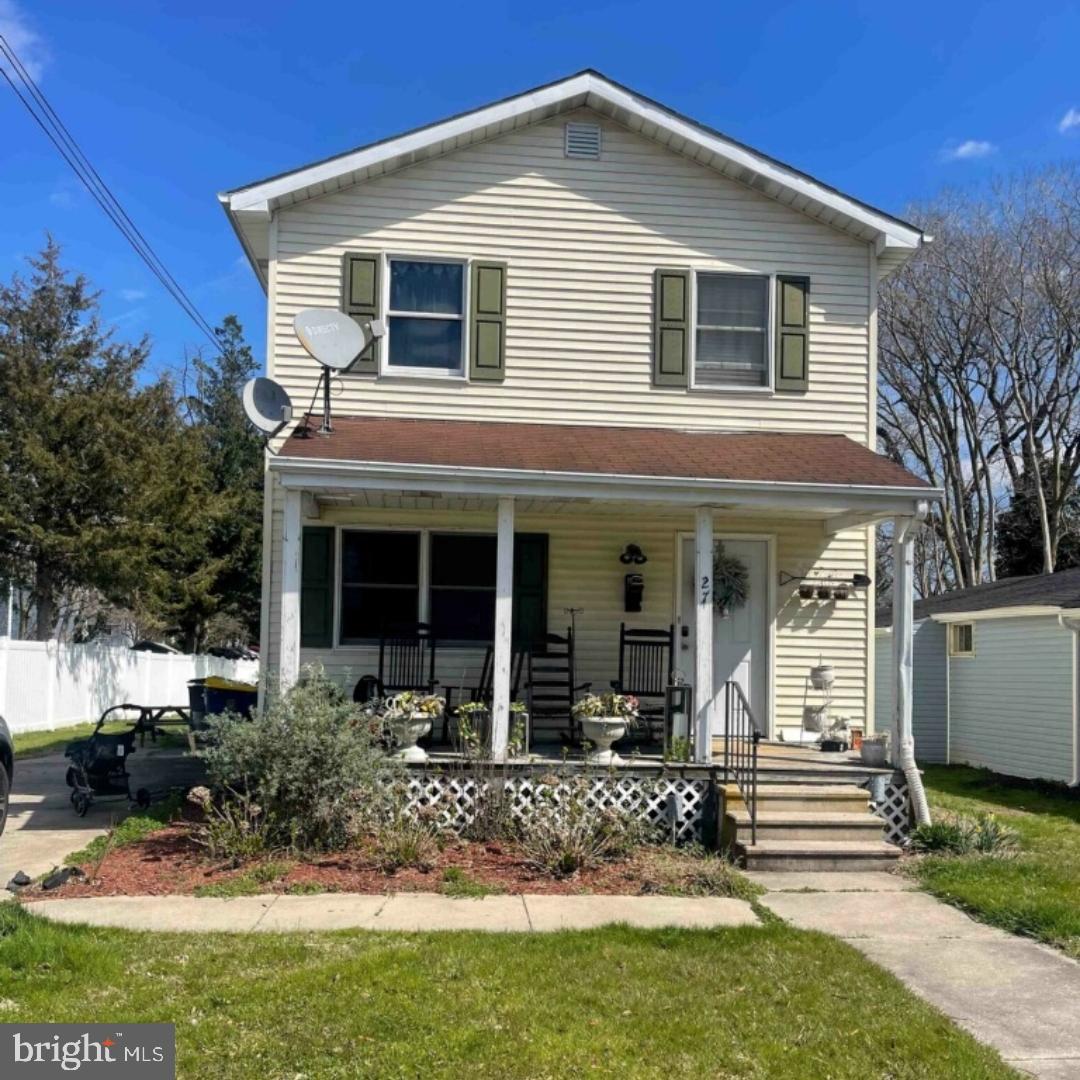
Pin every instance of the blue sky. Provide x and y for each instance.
(175, 101)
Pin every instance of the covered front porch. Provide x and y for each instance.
(595, 494)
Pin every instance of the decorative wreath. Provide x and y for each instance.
(731, 581)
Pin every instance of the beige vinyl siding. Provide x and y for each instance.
(585, 572)
(930, 696)
(1012, 702)
(581, 239)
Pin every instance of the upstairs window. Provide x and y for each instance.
(426, 317)
(732, 330)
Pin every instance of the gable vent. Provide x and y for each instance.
(583, 140)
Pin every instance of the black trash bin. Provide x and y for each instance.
(215, 695)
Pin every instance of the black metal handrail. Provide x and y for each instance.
(740, 749)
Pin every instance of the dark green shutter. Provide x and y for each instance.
(360, 298)
(317, 588)
(530, 588)
(792, 332)
(487, 322)
(671, 328)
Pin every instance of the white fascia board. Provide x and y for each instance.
(1025, 611)
(890, 233)
(459, 480)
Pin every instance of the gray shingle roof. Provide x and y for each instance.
(1050, 590)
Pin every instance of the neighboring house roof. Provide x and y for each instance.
(832, 461)
(1054, 592)
(250, 207)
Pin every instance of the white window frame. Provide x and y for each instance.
(770, 323)
(954, 629)
(461, 372)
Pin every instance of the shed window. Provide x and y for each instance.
(962, 639)
(426, 316)
(732, 330)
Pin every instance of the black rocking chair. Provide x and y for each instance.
(407, 660)
(551, 685)
(644, 671)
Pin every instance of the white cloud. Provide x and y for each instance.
(1069, 121)
(131, 295)
(968, 150)
(62, 197)
(25, 42)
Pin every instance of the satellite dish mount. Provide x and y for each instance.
(336, 340)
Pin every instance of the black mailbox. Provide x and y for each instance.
(633, 591)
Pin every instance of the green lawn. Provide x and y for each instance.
(1037, 892)
(755, 1003)
(36, 743)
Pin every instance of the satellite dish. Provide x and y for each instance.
(267, 405)
(332, 337)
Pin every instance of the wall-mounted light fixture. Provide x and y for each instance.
(633, 554)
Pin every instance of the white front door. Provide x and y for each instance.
(740, 635)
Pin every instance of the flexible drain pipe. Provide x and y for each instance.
(903, 655)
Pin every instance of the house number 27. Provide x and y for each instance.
(706, 588)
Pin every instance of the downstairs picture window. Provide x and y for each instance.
(380, 583)
(462, 587)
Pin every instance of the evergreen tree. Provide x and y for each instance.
(1019, 536)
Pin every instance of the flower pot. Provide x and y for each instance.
(602, 731)
(875, 751)
(822, 676)
(806, 592)
(406, 732)
(813, 716)
(824, 593)
(841, 593)
(833, 746)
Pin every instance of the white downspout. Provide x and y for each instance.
(1072, 622)
(904, 657)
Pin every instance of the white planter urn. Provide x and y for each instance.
(406, 732)
(602, 731)
(822, 676)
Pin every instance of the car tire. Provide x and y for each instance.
(5, 795)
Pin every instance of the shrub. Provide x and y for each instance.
(310, 764)
(234, 826)
(962, 834)
(404, 841)
(565, 832)
(693, 871)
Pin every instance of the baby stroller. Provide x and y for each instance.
(99, 768)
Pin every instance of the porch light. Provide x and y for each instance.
(632, 553)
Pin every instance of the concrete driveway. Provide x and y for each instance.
(43, 828)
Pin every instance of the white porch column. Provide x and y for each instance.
(289, 643)
(504, 614)
(703, 633)
(903, 627)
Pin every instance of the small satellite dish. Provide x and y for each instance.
(332, 337)
(267, 405)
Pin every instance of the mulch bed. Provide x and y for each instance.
(169, 862)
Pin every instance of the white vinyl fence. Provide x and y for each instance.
(45, 684)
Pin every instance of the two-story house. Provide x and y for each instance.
(612, 333)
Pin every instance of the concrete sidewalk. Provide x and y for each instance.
(399, 911)
(1013, 994)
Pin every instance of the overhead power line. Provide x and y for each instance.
(43, 114)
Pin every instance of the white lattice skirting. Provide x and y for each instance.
(890, 802)
(675, 805)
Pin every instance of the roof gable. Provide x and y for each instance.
(250, 207)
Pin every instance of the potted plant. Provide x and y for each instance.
(806, 591)
(474, 729)
(409, 716)
(835, 740)
(604, 719)
(875, 750)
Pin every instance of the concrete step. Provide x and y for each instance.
(839, 855)
(806, 825)
(810, 798)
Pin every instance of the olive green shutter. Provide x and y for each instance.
(530, 588)
(360, 299)
(671, 328)
(792, 332)
(487, 322)
(317, 588)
